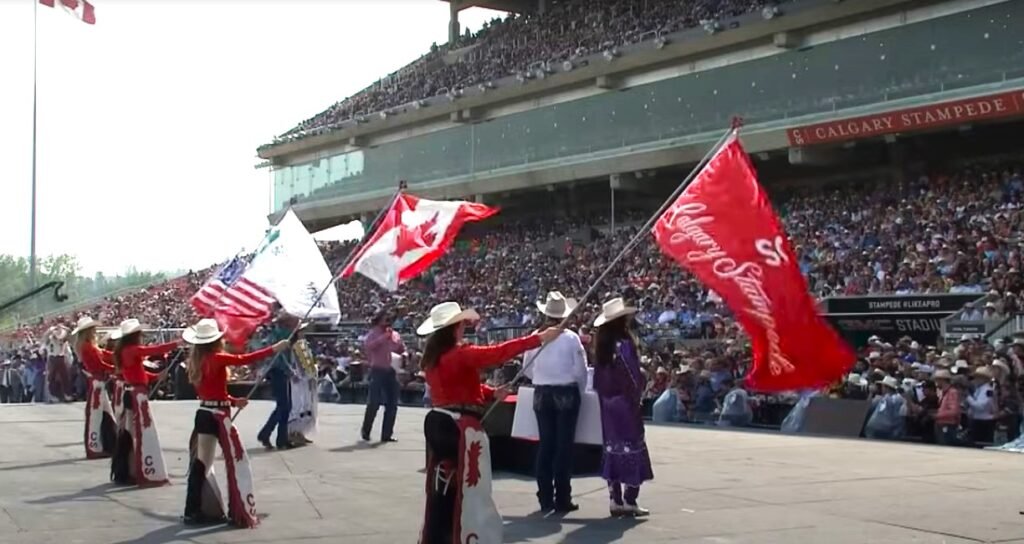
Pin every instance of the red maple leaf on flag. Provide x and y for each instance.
(473, 464)
(417, 237)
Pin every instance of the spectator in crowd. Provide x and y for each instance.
(736, 408)
(921, 413)
(982, 407)
(947, 416)
(888, 410)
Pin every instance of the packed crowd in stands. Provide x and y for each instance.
(957, 233)
(515, 45)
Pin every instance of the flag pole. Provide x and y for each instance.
(640, 235)
(352, 254)
(35, 100)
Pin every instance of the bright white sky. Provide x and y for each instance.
(149, 120)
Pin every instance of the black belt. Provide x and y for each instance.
(467, 409)
(215, 403)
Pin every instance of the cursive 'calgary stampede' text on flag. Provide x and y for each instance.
(413, 234)
(723, 229)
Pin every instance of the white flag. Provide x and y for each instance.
(290, 266)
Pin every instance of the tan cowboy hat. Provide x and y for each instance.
(85, 323)
(557, 306)
(612, 310)
(983, 372)
(207, 331)
(444, 315)
(129, 326)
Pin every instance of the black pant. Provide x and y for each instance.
(442, 435)
(557, 408)
(383, 390)
(5, 394)
(280, 388)
(121, 461)
(205, 423)
(982, 430)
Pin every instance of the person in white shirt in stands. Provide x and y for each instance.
(982, 408)
(559, 376)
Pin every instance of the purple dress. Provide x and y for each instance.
(619, 388)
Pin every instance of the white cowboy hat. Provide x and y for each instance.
(205, 332)
(445, 314)
(85, 323)
(856, 379)
(557, 306)
(942, 374)
(129, 326)
(1001, 364)
(889, 381)
(612, 310)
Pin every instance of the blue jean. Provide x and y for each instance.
(383, 390)
(280, 388)
(557, 408)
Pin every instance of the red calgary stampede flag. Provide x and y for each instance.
(413, 234)
(723, 230)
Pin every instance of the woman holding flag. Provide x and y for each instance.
(208, 371)
(458, 507)
(100, 432)
(137, 457)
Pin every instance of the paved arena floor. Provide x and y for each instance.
(711, 486)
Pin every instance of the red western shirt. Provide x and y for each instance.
(456, 377)
(131, 362)
(96, 361)
(213, 384)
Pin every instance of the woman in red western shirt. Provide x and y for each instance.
(137, 456)
(100, 431)
(453, 428)
(208, 372)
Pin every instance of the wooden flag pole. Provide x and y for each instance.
(640, 235)
(348, 261)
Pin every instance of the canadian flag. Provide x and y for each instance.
(413, 234)
(79, 8)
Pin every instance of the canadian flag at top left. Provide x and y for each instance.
(81, 9)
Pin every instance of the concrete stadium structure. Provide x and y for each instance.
(811, 81)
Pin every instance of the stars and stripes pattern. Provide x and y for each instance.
(228, 292)
(81, 9)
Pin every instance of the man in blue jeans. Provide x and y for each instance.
(559, 376)
(279, 373)
(380, 343)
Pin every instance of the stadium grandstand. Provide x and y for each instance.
(886, 132)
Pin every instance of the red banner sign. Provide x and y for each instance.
(723, 230)
(993, 106)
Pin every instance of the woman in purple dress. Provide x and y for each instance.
(620, 385)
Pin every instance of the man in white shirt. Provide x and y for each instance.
(559, 375)
(982, 407)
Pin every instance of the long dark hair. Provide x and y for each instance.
(196, 355)
(437, 345)
(123, 342)
(608, 335)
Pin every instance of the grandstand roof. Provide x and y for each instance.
(515, 6)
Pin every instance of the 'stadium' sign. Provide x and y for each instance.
(893, 317)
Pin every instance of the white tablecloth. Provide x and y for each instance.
(588, 427)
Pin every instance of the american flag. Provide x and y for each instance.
(229, 292)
